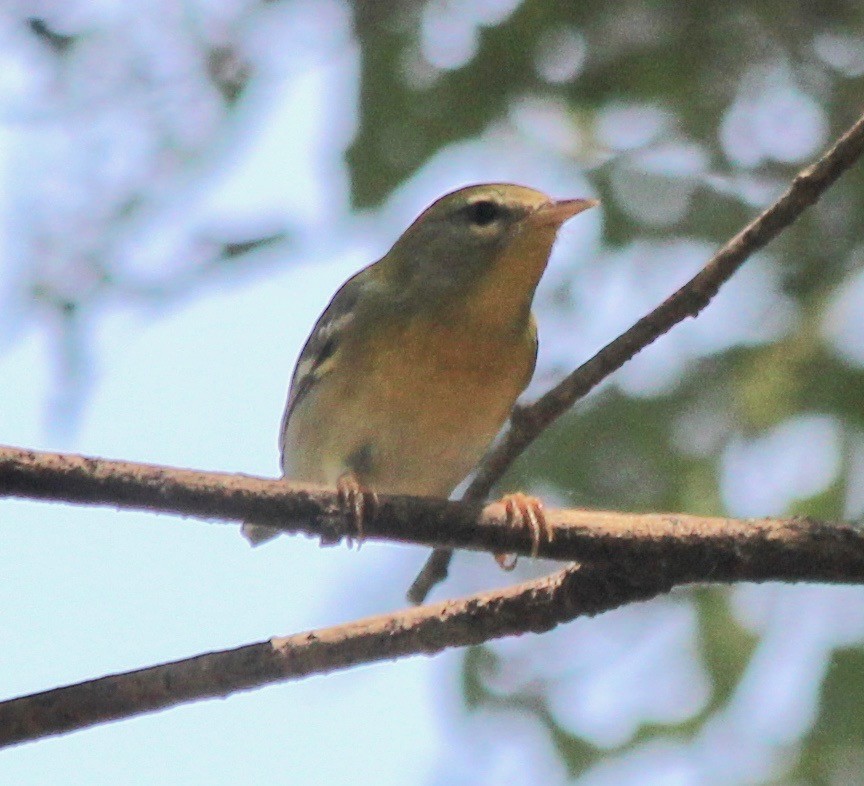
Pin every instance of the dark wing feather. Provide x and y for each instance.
(323, 343)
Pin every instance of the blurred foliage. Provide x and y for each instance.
(833, 751)
(688, 119)
(727, 79)
(121, 133)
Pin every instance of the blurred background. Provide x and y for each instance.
(184, 184)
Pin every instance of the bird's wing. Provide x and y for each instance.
(315, 362)
(316, 359)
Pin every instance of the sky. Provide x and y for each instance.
(89, 592)
(200, 382)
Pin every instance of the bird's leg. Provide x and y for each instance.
(356, 504)
(525, 511)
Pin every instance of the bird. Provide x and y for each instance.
(414, 366)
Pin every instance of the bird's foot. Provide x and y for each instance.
(357, 504)
(525, 511)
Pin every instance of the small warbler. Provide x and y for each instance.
(415, 364)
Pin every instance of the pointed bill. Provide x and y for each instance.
(559, 211)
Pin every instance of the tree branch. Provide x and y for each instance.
(634, 557)
(529, 422)
(535, 606)
(630, 557)
(835, 551)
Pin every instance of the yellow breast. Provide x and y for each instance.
(413, 408)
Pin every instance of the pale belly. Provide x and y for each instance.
(409, 420)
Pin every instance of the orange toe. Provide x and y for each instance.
(357, 503)
(524, 511)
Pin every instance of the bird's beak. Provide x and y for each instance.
(557, 212)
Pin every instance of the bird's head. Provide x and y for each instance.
(473, 231)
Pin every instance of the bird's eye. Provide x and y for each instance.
(483, 212)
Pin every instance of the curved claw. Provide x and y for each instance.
(356, 503)
(523, 510)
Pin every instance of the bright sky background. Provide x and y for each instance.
(88, 592)
(201, 383)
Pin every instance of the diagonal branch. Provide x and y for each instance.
(529, 422)
(536, 606)
(632, 557)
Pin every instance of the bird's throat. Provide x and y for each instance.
(500, 299)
